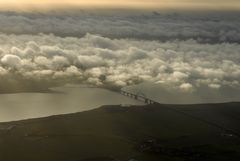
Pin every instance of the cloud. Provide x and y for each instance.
(11, 61)
(186, 87)
(214, 86)
(211, 27)
(85, 61)
(60, 62)
(42, 61)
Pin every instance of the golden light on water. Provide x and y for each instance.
(187, 4)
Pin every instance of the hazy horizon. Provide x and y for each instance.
(41, 5)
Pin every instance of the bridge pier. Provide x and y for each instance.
(137, 97)
(146, 101)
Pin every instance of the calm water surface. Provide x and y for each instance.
(68, 99)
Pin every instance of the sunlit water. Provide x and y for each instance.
(68, 99)
(169, 95)
(75, 98)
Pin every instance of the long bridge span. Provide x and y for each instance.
(138, 97)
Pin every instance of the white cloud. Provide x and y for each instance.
(185, 65)
(42, 61)
(12, 61)
(179, 75)
(214, 86)
(186, 87)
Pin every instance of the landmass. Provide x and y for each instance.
(153, 132)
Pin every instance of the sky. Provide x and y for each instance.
(182, 4)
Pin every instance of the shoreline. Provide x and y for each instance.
(120, 105)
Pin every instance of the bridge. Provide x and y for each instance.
(138, 97)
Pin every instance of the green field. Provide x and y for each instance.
(206, 132)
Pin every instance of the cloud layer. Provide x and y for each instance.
(176, 54)
(41, 61)
(209, 28)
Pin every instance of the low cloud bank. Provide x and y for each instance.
(209, 28)
(41, 61)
